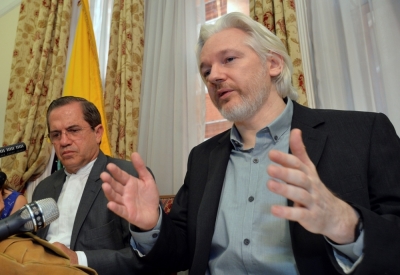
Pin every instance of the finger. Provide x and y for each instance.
(141, 168)
(114, 189)
(110, 194)
(287, 160)
(289, 175)
(119, 209)
(298, 195)
(118, 175)
(298, 148)
(289, 213)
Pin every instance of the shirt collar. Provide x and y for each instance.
(276, 129)
(84, 170)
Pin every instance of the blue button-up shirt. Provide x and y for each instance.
(248, 239)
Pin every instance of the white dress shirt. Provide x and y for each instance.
(61, 229)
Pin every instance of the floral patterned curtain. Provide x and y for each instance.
(279, 16)
(37, 76)
(123, 78)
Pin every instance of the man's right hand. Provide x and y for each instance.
(134, 199)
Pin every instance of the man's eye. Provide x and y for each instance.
(206, 73)
(54, 135)
(73, 130)
(230, 59)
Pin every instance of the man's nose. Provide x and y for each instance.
(217, 74)
(64, 139)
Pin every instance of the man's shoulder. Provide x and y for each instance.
(124, 165)
(47, 183)
(117, 161)
(334, 115)
(50, 179)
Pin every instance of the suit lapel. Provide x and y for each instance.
(307, 120)
(217, 163)
(92, 188)
(55, 194)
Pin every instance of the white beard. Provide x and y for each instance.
(252, 101)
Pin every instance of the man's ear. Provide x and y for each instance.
(275, 64)
(99, 130)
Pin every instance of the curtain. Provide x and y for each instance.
(37, 75)
(101, 12)
(279, 16)
(172, 110)
(356, 55)
(123, 77)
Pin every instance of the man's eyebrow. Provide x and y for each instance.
(69, 127)
(75, 125)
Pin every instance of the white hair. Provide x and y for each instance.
(261, 40)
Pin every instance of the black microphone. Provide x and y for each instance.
(3, 178)
(29, 218)
(12, 149)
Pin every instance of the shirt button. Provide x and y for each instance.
(155, 235)
(255, 160)
(276, 137)
(246, 241)
(251, 198)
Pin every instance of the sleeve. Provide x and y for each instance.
(116, 256)
(115, 259)
(381, 220)
(171, 250)
(82, 260)
(143, 242)
(349, 256)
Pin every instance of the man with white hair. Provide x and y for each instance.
(287, 190)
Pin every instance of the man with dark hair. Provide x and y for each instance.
(247, 206)
(89, 233)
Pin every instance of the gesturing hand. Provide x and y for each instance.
(315, 207)
(134, 199)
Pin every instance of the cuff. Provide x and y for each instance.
(143, 242)
(82, 259)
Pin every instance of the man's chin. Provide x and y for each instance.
(235, 114)
(68, 162)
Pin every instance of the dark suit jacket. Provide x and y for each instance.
(357, 156)
(102, 235)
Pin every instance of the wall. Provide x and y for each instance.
(8, 27)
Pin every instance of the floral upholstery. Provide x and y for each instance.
(167, 201)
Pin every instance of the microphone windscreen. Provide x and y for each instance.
(40, 213)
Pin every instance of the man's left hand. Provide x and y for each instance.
(71, 254)
(315, 207)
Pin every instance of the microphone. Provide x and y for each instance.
(3, 178)
(12, 149)
(29, 218)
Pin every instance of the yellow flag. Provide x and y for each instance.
(83, 77)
